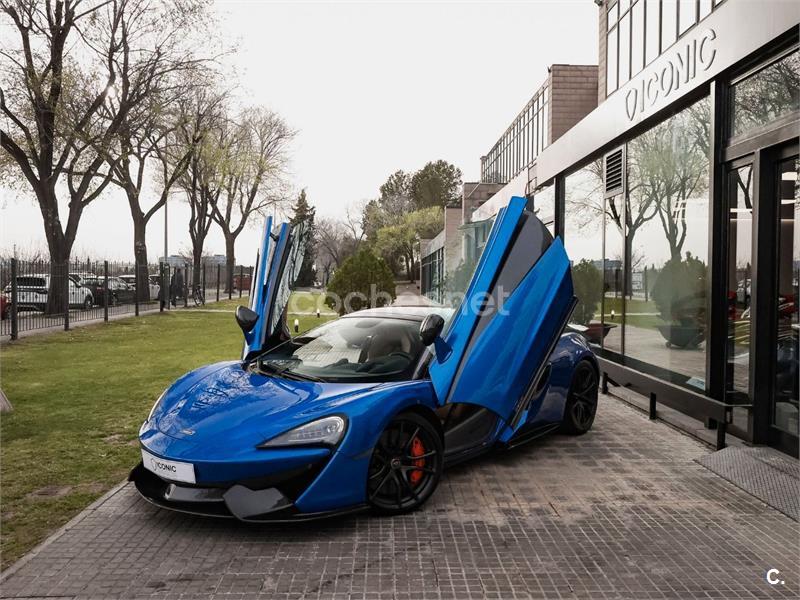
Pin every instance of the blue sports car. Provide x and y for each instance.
(367, 410)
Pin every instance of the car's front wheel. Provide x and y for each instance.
(581, 405)
(406, 465)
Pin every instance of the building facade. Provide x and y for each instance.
(677, 200)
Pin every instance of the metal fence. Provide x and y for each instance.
(41, 294)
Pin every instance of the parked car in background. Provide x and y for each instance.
(119, 292)
(32, 293)
(153, 283)
(241, 281)
(81, 276)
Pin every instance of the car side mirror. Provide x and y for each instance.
(430, 328)
(246, 318)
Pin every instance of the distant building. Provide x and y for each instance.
(174, 260)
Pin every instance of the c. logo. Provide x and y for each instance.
(772, 577)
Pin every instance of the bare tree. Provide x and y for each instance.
(204, 136)
(669, 164)
(50, 114)
(335, 242)
(147, 140)
(66, 90)
(251, 173)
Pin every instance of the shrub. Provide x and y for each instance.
(363, 281)
(588, 283)
(680, 291)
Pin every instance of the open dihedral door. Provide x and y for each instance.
(498, 343)
(277, 265)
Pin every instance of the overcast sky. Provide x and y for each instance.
(371, 88)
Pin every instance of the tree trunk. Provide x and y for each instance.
(197, 261)
(230, 261)
(627, 259)
(410, 266)
(57, 302)
(59, 248)
(140, 256)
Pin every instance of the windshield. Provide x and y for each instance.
(351, 349)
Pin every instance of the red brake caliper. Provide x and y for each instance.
(417, 449)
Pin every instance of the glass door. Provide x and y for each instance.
(740, 280)
(787, 325)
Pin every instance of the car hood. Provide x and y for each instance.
(224, 404)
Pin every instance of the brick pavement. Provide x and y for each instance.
(623, 512)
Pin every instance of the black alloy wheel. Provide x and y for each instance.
(406, 465)
(581, 405)
(87, 303)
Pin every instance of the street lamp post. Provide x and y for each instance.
(165, 229)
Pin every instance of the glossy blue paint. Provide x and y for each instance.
(259, 285)
(343, 481)
(504, 357)
(266, 288)
(451, 350)
(215, 417)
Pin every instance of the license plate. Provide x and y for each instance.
(168, 469)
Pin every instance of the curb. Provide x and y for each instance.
(4, 575)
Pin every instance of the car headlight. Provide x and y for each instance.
(326, 431)
(155, 406)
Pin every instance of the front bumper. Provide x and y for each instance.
(271, 498)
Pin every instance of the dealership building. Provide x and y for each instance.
(670, 171)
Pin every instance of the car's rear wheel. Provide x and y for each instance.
(581, 405)
(406, 465)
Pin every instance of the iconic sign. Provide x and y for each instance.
(680, 68)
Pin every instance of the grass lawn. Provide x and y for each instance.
(636, 305)
(79, 398)
(302, 306)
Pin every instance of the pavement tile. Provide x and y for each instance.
(622, 512)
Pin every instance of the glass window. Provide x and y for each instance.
(624, 49)
(787, 379)
(740, 277)
(544, 206)
(687, 15)
(667, 246)
(611, 62)
(545, 128)
(669, 25)
(652, 22)
(637, 37)
(705, 8)
(583, 239)
(767, 95)
(613, 274)
(613, 15)
(473, 237)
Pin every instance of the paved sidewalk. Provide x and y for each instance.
(623, 512)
